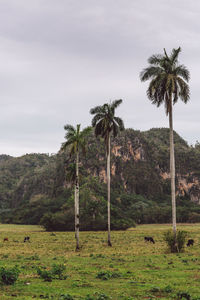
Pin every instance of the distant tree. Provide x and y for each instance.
(76, 142)
(197, 145)
(168, 83)
(105, 123)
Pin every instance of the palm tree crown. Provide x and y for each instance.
(105, 121)
(75, 138)
(168, 79)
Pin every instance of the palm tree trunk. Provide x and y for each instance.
(172, 168)
(77, 202)
(108, 185)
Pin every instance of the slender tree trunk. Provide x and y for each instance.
(77, 202)
(108, 185)
(172, 168)
(75, 208)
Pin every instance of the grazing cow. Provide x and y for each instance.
(5, 239)
(149, 239)
(190, 243)
(26, 239)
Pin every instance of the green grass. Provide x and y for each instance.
(131, 269)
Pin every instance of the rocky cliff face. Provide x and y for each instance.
(139, 166)
(137, 150)
(189, 184)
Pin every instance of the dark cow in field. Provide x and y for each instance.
(27, 239)
(149, 239)
(5, 239)
(190, 242)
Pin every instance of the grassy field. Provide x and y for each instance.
(131, 269)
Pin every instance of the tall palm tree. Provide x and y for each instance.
(168, 83)
(76, 141)
(105, 123)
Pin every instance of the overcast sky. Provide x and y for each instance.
(60, 58)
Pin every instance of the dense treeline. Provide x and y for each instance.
(38, 188)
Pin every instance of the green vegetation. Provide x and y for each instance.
(37, 187)
(176, 242)
(9, 275)
(56, 272)
(130, 269)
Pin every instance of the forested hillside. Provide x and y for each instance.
(39, 188)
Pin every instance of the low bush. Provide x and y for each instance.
(56, 272)
(176, 242)
(183, 295)
(44, 274)
(97, 296)
(66, 297)
(8, 276)
(105, 275)
(102, 297)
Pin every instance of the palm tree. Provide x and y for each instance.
(168, 83)
(76, 141)
(105, 123)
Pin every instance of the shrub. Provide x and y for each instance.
(105, 275)
(102, 297)
(155, 289)
(44, 274)
(56, 272)
(97, 296)
(66, 297)
(59, 221)
(183, 295)
(168, 289)
(8, 276)
(176, 242)
(122, 224)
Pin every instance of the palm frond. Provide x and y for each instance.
(176, 92)
(69, 128)
(78, 126)
(96, 119)
(174, 55)
(70, 135)
(155, 59)
(166, 55)
(119, 123)
(184, 91)
(114, 104)
(183, 72)
(150, 72)
(66, 144)
(99, 128)
(96, 110)
(115, 129)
